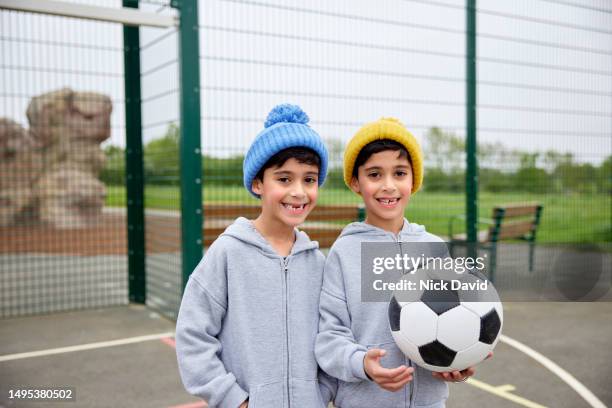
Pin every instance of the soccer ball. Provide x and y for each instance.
(448, 329)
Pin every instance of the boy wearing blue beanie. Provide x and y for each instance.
(249, 316)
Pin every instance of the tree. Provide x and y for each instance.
(444, 150)
(222, 171)
(529, 177)
(113, 172)
(335, 148)
(604, 179)
(161, 158)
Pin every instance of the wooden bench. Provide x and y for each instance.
(324, 223)
(513, 221)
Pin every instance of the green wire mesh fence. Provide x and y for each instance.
(544, 133)
(160, 110)
(62, 246)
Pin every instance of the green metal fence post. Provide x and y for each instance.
(134, 162)
(361, 212)
(471, 174)
(190, 153)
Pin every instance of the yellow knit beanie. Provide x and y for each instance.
(384, 128)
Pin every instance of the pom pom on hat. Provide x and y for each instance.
(286, 126)
(286, 113)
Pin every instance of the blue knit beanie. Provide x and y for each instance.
(285, 127)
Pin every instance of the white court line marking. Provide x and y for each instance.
(88, 346)
(569, 379)
(504, 391)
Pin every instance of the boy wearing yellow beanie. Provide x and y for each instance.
(383, 163)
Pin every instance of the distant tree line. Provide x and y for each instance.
(500, 168)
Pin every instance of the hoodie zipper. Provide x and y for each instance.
(285, 268)
(407, 398)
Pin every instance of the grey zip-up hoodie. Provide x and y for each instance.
(349, 327)
(248, 322)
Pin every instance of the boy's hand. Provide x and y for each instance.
(390, 379)
(455, 376)
(458, 376)
(245, 404)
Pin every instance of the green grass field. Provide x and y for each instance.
(566, 219)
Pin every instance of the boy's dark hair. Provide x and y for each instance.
(378, 146)
(303, 155)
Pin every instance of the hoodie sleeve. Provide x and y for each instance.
(198, 325)
(328, 387)
(337, 352)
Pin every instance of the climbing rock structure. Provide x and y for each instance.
(49, 172)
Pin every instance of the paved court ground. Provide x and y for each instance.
(125, 357)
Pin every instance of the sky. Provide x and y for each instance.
(544, 68)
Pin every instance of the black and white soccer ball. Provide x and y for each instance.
(446, 330)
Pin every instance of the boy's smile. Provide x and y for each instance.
(388, 202)
(295, 209)
(385, 183)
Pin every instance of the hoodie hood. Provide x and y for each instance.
(244, 230)
(409, 230)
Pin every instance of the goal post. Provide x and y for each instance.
(124, 15)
